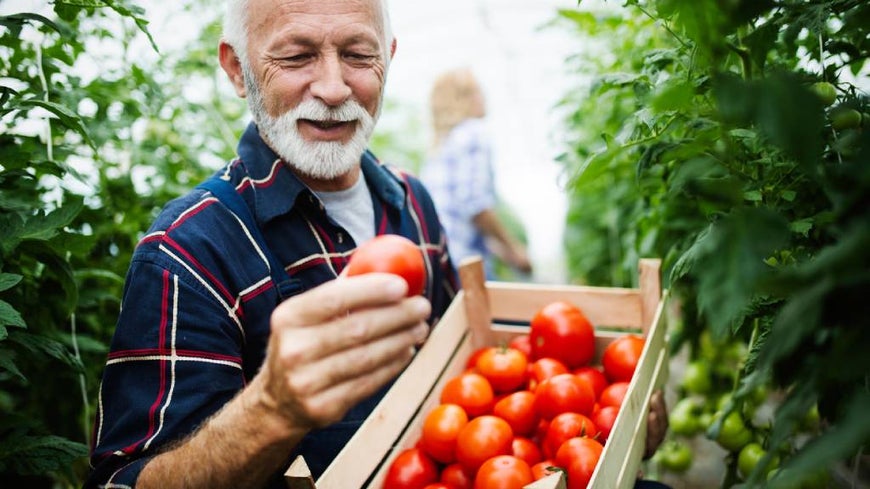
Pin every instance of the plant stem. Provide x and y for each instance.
(49, 149)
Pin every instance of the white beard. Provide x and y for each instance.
(320, 159)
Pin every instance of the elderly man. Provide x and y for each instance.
(235, 349)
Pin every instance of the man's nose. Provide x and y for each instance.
(329, 84)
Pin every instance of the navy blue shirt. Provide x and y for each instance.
(194, 319)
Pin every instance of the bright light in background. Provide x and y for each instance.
(521, 66)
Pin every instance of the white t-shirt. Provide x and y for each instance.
(352, 209)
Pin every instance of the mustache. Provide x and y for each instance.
(316, 110)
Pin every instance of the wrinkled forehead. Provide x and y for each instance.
(277, 14)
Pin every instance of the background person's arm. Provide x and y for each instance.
(503, 244)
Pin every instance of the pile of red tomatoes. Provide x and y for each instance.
(520, 411)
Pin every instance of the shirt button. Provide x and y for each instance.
(340, 238)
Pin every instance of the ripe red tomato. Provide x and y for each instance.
(522, 343)
(518, 409)
(579, 456)
(482, 438)
(564, 427)
(391, 253)
(560, 330)
(440, 430)
(471, 363)
(620, 357)
(562, 393)
(457, 477)
(504, 368)
(594, 376)
(544, 368)
(471, 391)
(526, 449)
(613, 394)
(411, 469)
(437, 485)
(603, 419)
(503, 472)
(543, 469)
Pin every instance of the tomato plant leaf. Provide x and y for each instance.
(66, 116)
(40, 344)
(37, 455)
(10, 317)
(7, 364)
(9, 280)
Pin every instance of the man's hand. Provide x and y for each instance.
(337, 344)
(657, 423)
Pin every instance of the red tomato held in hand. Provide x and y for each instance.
(411, 469)
(563, 393)
(440, 430)
(482, 438)
(579, 456)
(391, 253)
(503, 472)
(620, 358)
(518, 409)
(564, 427)
(504, 368)
(471, 391)
(594, 376)
(560, 330)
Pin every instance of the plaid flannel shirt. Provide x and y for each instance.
(194, 320)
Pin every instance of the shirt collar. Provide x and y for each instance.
(277, 195)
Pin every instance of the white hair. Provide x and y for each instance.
(235, 29)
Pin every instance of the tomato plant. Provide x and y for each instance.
(563, 393)
(471, 391)
(518, 409)
(674, 456)
(620, 357)
(503, 472)
(441, 427)
(750, 457)
(504, 368)
(411, 469)
(390, 253)
(482, 438)
(560, 330)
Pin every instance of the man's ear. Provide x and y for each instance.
(393, 48)
(232, 67)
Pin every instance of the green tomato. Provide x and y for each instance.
(683, 417)
(826, 92)
(734, 434)
(697, 378)
(750, 456)
(811, 420)
(845, 119)
(674, 456)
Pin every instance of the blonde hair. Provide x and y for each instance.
(455, 97)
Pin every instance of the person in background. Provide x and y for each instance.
(236, 349)
(459, 175)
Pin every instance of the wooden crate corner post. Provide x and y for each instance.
(477, 304)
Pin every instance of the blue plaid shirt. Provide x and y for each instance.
(194, 319)
(460, 178)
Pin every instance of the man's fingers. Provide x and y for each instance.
(338, 297)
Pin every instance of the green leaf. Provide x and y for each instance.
(7, 364)
(731, 262)
(15, 21)
(66, 116)
(802, 226)
(44, 227)
(38, 455)
(9, 280)
(39, 344)
(10, 317)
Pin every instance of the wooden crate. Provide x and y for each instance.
(489, 313)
